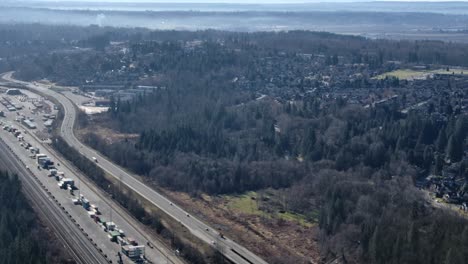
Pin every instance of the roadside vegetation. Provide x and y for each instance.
(267, 133)
(173, 234)
(335, 161)
(21, 234)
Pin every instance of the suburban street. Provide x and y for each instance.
(229, 248)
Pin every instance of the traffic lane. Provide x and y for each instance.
(90, 195)
(191, 225)
(105, 208)
(247, 253)
(79, 214)
(196, 227)
(61, 224)
(157, 256)
(110, 166)
(80, 255)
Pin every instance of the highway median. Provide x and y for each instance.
(162, 226)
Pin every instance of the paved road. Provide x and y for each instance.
(109, 209)
(233, 251)
(80, 247)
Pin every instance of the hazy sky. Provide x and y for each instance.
(245, 1)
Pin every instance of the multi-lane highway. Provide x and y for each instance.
(108, 208)
(79, 245)
(233, 251)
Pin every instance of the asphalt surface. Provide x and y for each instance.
(109, 209)
(79, 245)
(230, 249)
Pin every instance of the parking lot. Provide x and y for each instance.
(34, 108)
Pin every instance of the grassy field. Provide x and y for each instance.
(408, 74)
(245, 203)
(288, 216)
(451, 71)
(248, 203)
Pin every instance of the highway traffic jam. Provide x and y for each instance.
(20, 115)
(156, 251)
(129, 246)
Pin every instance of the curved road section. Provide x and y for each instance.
(230, 249)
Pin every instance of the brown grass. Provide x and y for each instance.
(271, 238)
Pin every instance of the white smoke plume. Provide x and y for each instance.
(100, 18)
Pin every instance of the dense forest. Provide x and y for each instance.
(21, 236)
(359, 166)
(294, 111)
(35, 50)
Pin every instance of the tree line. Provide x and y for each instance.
(21, 234)
(207, 132)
